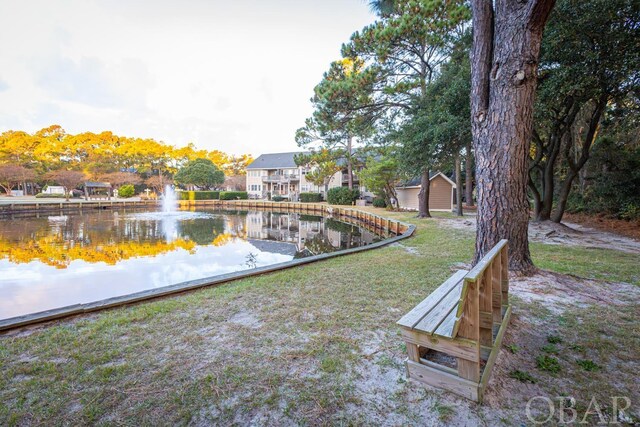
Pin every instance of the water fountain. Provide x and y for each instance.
(169, 200)
(168, 215)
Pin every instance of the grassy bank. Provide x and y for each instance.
(311, 345)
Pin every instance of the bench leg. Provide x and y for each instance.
(414, 352)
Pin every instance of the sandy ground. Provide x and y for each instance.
(567, 234)
(541, 303)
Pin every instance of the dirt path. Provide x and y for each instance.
(567, 234)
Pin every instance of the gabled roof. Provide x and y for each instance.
(275, 161)
(95, 184)
(415, 182)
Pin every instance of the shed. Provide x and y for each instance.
(97, 190)
(441, 193)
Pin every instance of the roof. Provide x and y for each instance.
(275, 161)
(415, 182)
(274, 247)
(95, 184)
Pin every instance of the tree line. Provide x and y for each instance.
(538, 100)
(51, 155)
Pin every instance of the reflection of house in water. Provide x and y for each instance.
(310, 234)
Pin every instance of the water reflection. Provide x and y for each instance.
(62, 260)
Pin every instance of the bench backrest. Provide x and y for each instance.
(483, 294)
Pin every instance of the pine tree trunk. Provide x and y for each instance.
(468, 179)
(349, 166)
(423, 195)
(504, 65)
(458, 186)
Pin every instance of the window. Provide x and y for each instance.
(255, 187)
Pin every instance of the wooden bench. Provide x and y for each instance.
(462, 322)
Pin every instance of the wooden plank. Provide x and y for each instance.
(485, 294)
(460, 348)
(438, 366)
(442, 379)
(486, 319)
(479, 268)
(486, 374)
(469, 328)
(438, 313)
(496, 289)
(414, 316)
(446, 327)
(505, 275)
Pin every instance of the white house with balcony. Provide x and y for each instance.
(277, 174)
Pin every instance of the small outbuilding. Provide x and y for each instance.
(441, 193)
(97, 190)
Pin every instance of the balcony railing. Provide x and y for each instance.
(280, 178)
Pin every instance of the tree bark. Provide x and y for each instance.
(468, 179)
(423, 195)
(504, 61)
(349, 166)
(458, 185)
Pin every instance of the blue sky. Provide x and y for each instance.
(230, 75)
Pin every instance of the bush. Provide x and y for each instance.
(342, 196)
(379, 202)
(233, 195)
(199, 195)
(49, 196)
(126, 191)
(277, 198)
(310, 197)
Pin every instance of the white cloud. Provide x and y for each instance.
(235, 76)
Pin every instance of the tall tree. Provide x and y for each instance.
(406, 48)
(582, 73)
(69, 180)
(439, 126)
(201, 173)
(12, 175)
(323, 165)
(504, 64)
(339, 122)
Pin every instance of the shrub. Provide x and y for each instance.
(49, 196)
(126, 191)
(233, 195)
(379, 202)
(205, 195)
(310, 197)
(277, 198)
(199, 195)
(342, 196)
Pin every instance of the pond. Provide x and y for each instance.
(55, 261)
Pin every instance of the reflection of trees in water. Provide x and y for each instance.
(108, 236)
(318, 244)
(201, 230)
(342, 227)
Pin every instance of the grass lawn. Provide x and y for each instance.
(316, 345)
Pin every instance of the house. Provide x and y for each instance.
(441, 193)
(277, 174)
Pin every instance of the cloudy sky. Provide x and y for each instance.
(230, 75)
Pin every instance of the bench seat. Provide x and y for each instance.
(436, 314)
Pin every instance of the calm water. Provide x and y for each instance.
(55, 261)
